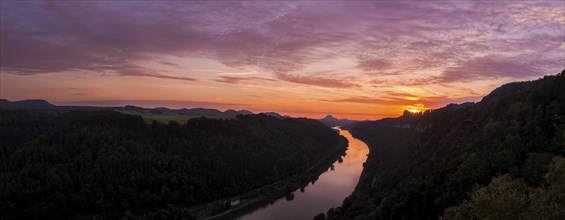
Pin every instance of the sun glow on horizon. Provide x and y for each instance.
(416, 108)
(269, 58)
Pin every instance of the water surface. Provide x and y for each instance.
(328, 191)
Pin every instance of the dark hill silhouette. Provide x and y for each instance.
(331, 121)
(508, 89)
(39, 104)
(244, 112)
(26, 104)
(200, 111)
(192, 111)
(511, 145)
(133, 108)
(231, 112)
(275, 115)
(108, 165)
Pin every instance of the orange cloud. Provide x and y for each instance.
(317, 81)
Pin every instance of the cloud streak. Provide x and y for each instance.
(239, 79)
(487, 68)
(136, 70)
(383, 37)
(321, 81)
(357, 49)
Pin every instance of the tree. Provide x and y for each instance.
(320, 216)
(505, 198)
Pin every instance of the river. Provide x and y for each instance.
(328, 191)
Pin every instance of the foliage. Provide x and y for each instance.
(106, 164)
(505, 198)
(421, 164)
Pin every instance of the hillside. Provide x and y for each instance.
(108, 165)
(500, 158)
(332, 121)
(160, 114)
(26, 104)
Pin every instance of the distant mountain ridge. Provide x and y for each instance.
(187, 111)
(26, 104)
(274, 114)
(332, 121)
(40, 104)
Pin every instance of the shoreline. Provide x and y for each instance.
(265, 195)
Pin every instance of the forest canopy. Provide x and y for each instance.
(472, 157)
(112, 165)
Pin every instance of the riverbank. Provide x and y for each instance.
(329, 190)
(265, 195)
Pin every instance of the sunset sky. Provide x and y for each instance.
(360, 60)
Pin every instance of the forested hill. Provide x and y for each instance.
(110, 165)
(501, 158)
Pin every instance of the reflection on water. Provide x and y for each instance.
(328, 191)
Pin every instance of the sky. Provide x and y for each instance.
(355, 59)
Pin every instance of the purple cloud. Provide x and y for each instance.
(369, 100)
(488, 68)
(374, 65)
(136, 70)
(462, 40)
(322, 81)
(238, 79)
